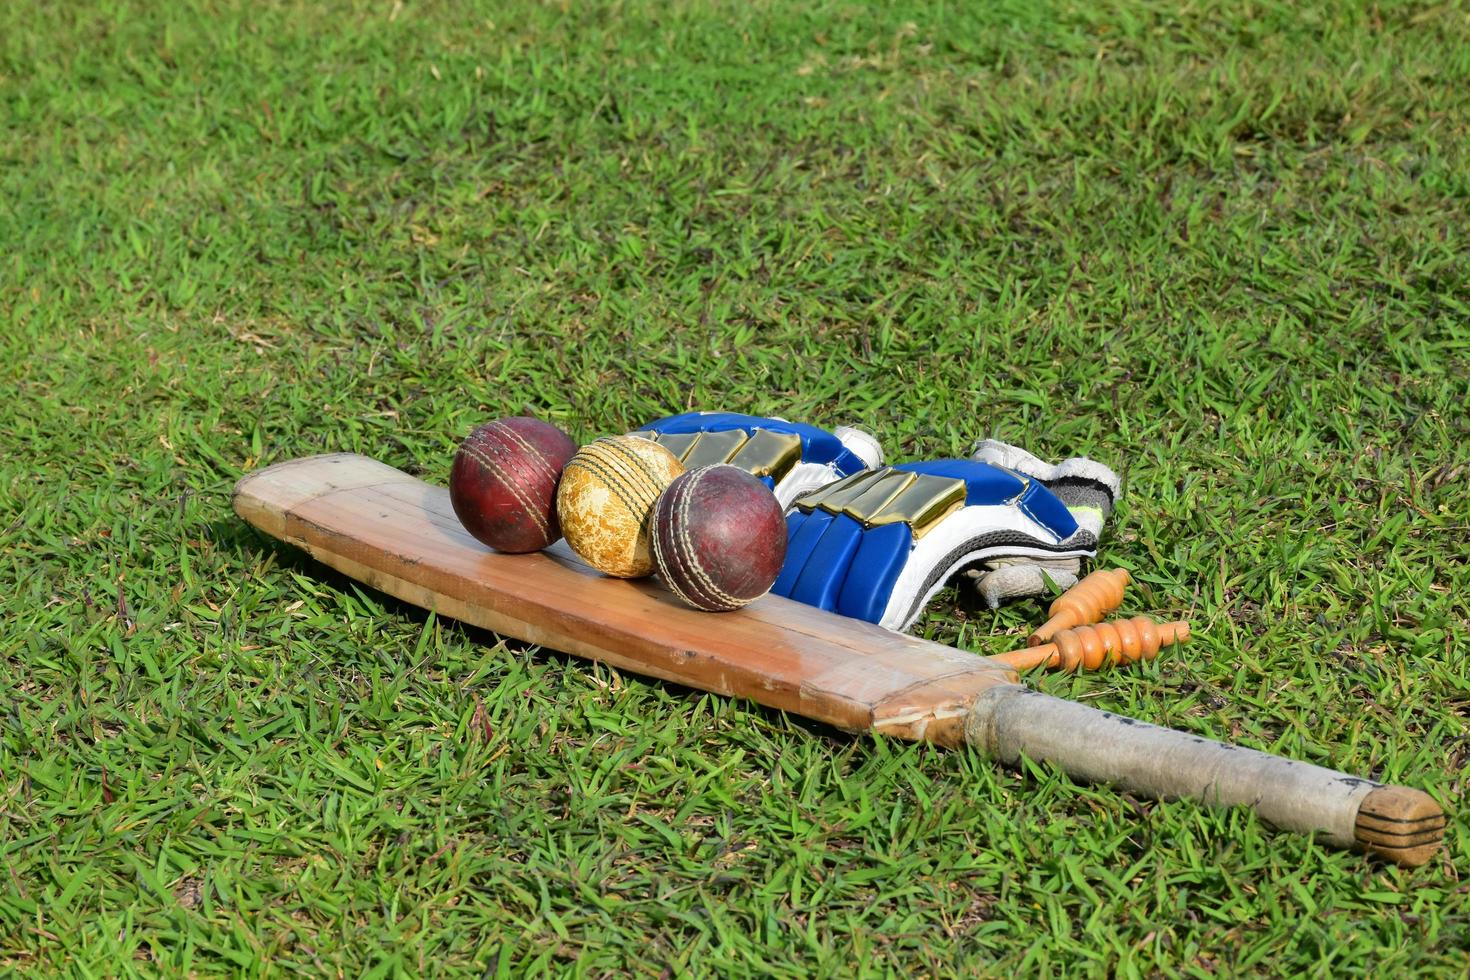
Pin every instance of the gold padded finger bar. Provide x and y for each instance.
(769, 453)
(835, 496)
(890, 496)
(877, 495)
(713, 447)
(677, 443)
(923, 503)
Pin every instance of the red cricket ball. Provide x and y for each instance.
(719, 537)
(503, 482)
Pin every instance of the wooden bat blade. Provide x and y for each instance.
(399, 534)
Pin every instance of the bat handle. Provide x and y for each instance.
(1010, 721)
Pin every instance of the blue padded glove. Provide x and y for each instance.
(1008, 524)
(878, 545)
(789, 457)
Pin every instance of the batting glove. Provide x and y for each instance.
(880, 544)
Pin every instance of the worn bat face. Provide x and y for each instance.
(400, 535)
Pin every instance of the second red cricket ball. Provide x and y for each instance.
(718, 537)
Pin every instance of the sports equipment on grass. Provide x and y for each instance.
(880, 545)
(719, 537)
(606, 495)
(1037, 521)
(1085, 603)
(1103, 644)
(398, 534)
(503, 482)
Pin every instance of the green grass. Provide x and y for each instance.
(1221, 247)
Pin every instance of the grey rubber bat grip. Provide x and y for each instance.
(1009, 722)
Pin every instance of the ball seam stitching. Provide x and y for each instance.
(696, 568)
(537, 457)
(499, 474)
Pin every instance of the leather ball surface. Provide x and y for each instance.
(503, 482)
(606, 499)
(719, 537)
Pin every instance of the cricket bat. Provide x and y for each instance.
(399, 535)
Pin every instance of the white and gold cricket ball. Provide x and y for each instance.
(605, 502)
